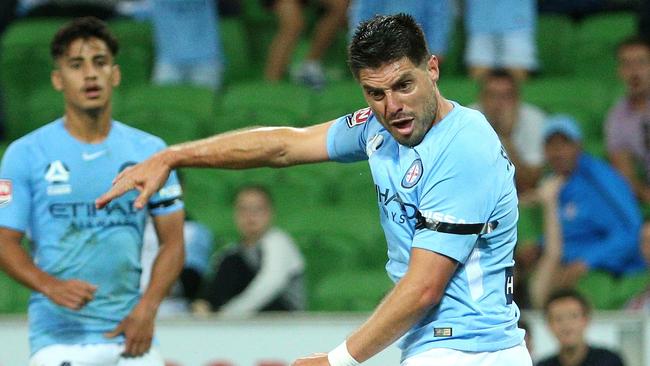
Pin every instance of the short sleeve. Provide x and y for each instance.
(347, 135)
(462, 191)
(169, 198)
(614, 136)
(15, 190)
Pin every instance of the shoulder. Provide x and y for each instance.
(41, 136)
(531, 111)
(128, 133)
(277, 237)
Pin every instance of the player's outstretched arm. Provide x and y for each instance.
(251, 148)
(421, 288)
(14, 260)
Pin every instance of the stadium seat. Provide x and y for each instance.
(338, 99)
(238, 60)
(176, 113)
(25, 66)
(597, 38)
(556, 45)
(460, 89)
(136, 53)
(351, 290)
(257, 103)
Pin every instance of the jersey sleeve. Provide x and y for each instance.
(169, 198)
(346, 137)
(462, 190)
(15, 191)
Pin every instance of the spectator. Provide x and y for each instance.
(436, 17)
(290, 25)
(198, 247)
(568, 314)
(188, 48)
(518, 124)
(642, 301)
(500, 34)
(264, 271)
(627, 129)
(591, 223)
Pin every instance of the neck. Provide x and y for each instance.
(573, 356)
(444, 107)
(88, 126)
(638, 101)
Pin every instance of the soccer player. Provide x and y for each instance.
(86, 307)
(445, 192)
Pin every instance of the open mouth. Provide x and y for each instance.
(403, 126)
(92, 92)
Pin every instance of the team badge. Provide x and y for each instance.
(413, 174)
(5, 192)
(359, 117)
(57, 174)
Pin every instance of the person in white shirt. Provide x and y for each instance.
(263, 271)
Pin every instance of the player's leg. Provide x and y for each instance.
(151, 358)
(480, 54)
(76, 355)
(519, 54)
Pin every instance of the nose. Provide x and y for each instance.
(393, 104)
(89, 71)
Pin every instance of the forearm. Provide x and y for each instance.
(401, 308)
(250, 148)
(165, 271)
(15, 261)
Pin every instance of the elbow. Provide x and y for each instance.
(429, 296)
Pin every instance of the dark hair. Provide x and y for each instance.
(254, 188)
(632, 41)
(84, 28)
(499, 74)
(568, 293)
(386, 38)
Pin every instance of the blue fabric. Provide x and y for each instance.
(600, 219)
(186, 31)
(55, 180)
(499, 16)
(459, 173)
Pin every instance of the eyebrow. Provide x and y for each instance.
(404, 77)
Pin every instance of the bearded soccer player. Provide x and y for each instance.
(447, 201)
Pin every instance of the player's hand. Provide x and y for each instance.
(317, 359)
(137, 328)
(72, 294)
(147, 177)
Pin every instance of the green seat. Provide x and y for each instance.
(556, 42)
(258, 103)
(136, 53)
(597, 38)
(338, 99)
(176, 113)
(351, 290)
(25, 66)
(238, 60)
(460, 89)
(14, 297)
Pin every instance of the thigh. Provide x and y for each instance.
(481, 50)
(151, 358)
(519, 50)
(76, 355)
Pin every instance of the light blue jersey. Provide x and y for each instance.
(51, 181)
(458, 174)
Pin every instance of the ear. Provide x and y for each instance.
(432, 68)
(116, 76)
(56, 79)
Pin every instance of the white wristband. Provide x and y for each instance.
(340, 356)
